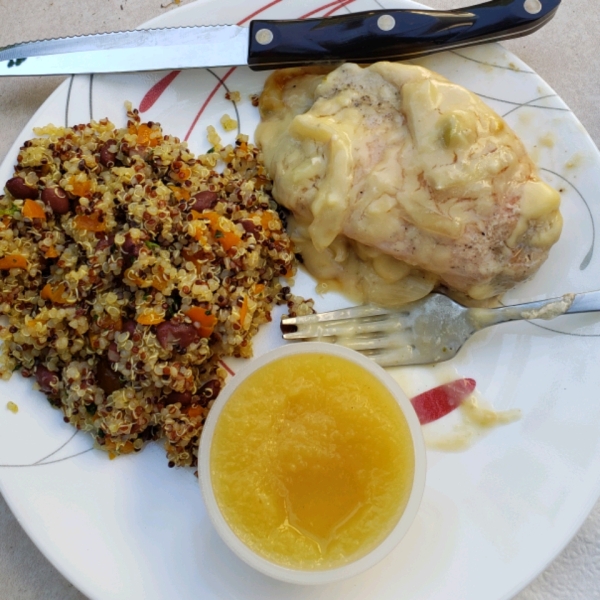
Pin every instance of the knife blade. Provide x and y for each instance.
(358, 37)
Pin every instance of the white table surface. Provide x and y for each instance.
(564, 53)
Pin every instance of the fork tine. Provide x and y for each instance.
(377, 342)
(392, 356)
(361, 344)
(400, 355)
(356, 328)
(353, 322)
(353, 312)
(429, 330)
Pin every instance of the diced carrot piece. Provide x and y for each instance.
(55, 295)
(107, 322)
(198, 232)
(143, 134)
(52, 252)
(110, 447)
(128, 447)
(13, 261)
(227, 239)
(206, 332)
(180, 194)
(89, 222)
(259, 287)
(94, 340)
(205, 317)
(135, 279)
(150, 318)
(265, 220)
(195, 411)
(211, 217)
(184, 173)
(80, 188)
(200, 237)
(46, 292)
(200, 315)
(260, 182)
(159, 284)
(33, 210)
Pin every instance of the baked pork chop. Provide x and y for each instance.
(399, 180)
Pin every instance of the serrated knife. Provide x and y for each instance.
(359, 37)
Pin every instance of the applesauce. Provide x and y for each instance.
(312, 461)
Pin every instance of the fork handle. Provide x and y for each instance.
(586, 302)
(541, 309)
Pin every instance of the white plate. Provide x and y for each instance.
(492, 517)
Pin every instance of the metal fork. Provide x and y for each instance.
(430, 330)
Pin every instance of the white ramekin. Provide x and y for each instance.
(326, 575)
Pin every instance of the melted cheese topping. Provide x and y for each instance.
(394, 174)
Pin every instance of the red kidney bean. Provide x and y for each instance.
(210, 390)
(108, 158)
(47, 379)
(105, 242)
(56, 199)
(113, 353)
(182, 334)
(20, 190)
(130, 247)
(204, 200)
(249, 226)
(106, 378)
(129, 327)
(184, 397)
(142, 151)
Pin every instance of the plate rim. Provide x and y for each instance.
(45, 548)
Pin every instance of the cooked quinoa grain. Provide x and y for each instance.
(129, 268)
(228, 123)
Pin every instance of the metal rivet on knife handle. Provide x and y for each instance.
(533, 7)
(264, 36)
(386, 22)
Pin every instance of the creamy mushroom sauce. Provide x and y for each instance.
(399, 180)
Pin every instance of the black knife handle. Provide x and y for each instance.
(391, 34)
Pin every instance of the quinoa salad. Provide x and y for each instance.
(129, 268)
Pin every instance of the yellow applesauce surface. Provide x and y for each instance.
(312, 462)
